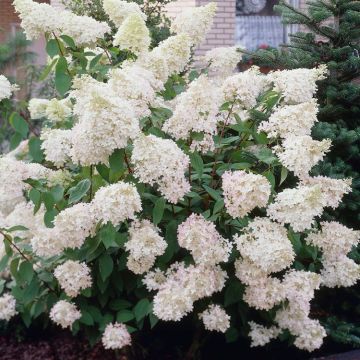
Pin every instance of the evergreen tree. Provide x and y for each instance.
(330, 34)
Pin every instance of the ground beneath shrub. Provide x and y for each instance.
(60, 347)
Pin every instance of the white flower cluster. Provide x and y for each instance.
(215, 319)
(7, 307)
(181, 286)
(6, 89)
(288, 120)
(243, 192)
(300, 153)
(37, 19)
(144, 245)
(133, 35)
(265, 249)
(299, 290)
(119, 10)
(297, 207)
(64, 314)
(195, 110)
(94, 140)
(56, 144)
(115, 203)
(245, 88)
(73, 277)
(162, 162)
(261, 335)
(205, 244)
(12, 176)
(266, 245)
(137, 85)
(37, 108)
(336, 241)
(116, 336)
(222, 60)
(195, 22)
(298, 85)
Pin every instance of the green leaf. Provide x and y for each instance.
(270, 176)
(77, 192)
(48, 200)
(158, 210)
(69, 41)
(153, 320)
(26, 271)
(49, 217)
(197, 163)
(284, 174)
(62, 78)
(104, 171)
(141, 309)
(124, 316)
(265, 155)
(116, 161)
(17, 228)
(19, 124)
(57, 193)
(35, 197)
(95, 60)
(86, 318)
(47, 70)
(35, 149)
(15, 140)
(119, 304)
(108, 235)
(213, 193)
(233, 293)
(52, 48)
(219, 205)
(231, 335)
(106, 266)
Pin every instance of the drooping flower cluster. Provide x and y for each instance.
(94, 140)
(161, 161)
(215, 319)
(64, 314)
(222, 60)
(6, 89)
(205, 244)
(116, 203)
(336, 241)
(116, 336)
(300, 153)
(144, 245)
(73, 277)
(181, 286)
(37, 19)
(244, 88)
(297, 207)
(261, 335)
(119, 10)
(7, 307)
(195, 22)
(265, 249)
(288, 120)
(195, 110)
(298, 85)
(243, 192)
(299, 290)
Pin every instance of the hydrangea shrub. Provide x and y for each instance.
(156, 191)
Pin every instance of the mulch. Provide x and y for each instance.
(59, 347)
